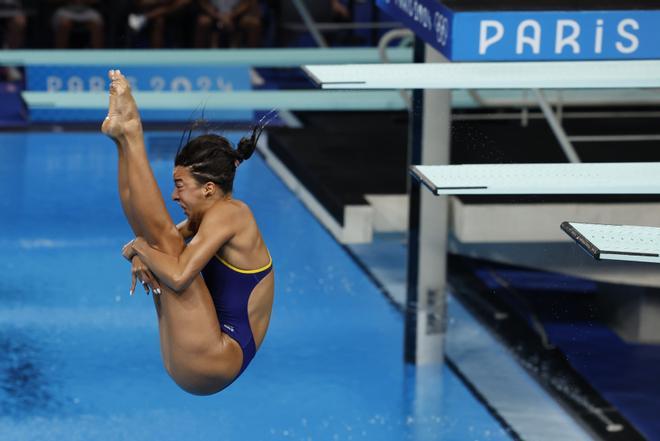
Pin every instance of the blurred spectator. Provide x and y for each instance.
(339, 11)
(237, 22)
(154, 14)
(13, 22)
(77, 13)
(289, 20)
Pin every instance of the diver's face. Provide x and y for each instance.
(188, 193)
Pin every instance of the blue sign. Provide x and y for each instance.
(531, 35)
(145, 79)
(430, 20)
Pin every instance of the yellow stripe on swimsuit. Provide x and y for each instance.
(242, 271)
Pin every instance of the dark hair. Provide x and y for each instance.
(211, 157)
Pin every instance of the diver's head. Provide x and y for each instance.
(204, 170)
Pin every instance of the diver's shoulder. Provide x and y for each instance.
(230, 208)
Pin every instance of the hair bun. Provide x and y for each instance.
(245, 148)
(247, 145)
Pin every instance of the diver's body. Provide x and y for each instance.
(197, 353)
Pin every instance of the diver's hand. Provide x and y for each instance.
(123, 117)
(127, 251)
(139, 271)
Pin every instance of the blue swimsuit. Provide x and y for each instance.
(230, 288)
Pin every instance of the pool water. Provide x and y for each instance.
(79, 358)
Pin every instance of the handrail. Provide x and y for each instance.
(308, 20)
(557, 129)
(383, 47)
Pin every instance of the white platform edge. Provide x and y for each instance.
(495, 75)
(624, 246)
(534, 179)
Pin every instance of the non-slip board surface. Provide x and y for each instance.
(616, 242)
(496, 75)
(590, 178)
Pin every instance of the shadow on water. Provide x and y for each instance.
(25, 389)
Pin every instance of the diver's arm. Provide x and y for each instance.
(128, 252)
(184, 230)
(179, 272)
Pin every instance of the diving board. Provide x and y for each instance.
(201, 57)
(616, 242)
(510, 75)
(583, 178)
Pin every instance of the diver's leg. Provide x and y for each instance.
(124, 196)
(139, 190)
(122, 168)
(146, 201)
(124, 192)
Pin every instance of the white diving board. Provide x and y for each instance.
(531, 179)
(511, 75)
(616, 242)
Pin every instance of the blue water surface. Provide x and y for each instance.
(80, 360)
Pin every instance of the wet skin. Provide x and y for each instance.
(196, 353)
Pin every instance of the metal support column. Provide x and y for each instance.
(427, 239)
(557, 129)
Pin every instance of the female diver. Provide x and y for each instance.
(210, 327)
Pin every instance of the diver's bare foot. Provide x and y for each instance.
(123, 118)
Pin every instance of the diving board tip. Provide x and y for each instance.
(541, 179)
(492, 75)
(629, 243)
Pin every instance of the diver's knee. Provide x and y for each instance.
(169, 241)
